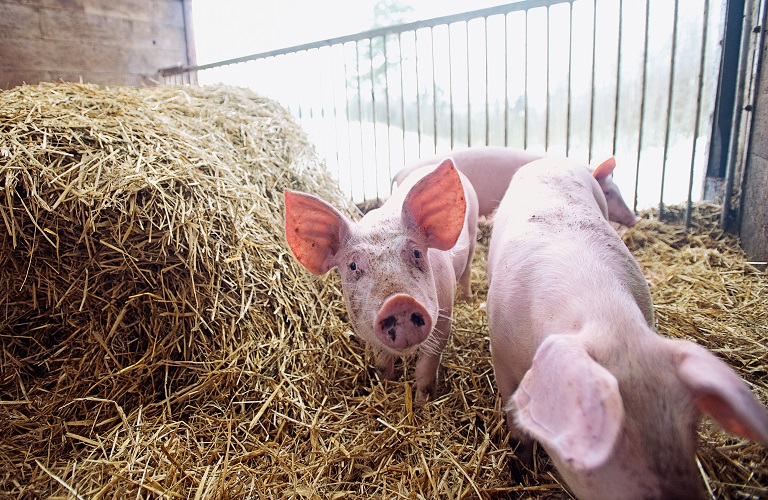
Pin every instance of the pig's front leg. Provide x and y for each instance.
(430, 353)
(385, 364)
(524, 449)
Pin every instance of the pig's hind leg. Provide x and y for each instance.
(523, 451)
(508, 384)
(465, 280)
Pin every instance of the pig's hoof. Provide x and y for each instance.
(388, 373)
(517, 471)
(522, 462)
(427, 393)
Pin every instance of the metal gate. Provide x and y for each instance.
(587, 79)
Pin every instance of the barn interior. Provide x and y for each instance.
(159, 339)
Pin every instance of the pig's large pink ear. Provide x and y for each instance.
(435, 206)
(720, 393)
(570, 404)
(604, 169)
(314, 231)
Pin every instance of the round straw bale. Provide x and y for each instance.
(141, 246)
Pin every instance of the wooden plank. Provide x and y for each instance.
(153, 11)
(189, 34)
(41, 55)
(53, 4)
(101, 41)
(19, 21)
(109, 31)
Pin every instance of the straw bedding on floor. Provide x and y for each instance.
(159, 340)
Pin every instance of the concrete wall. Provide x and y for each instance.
(117, 42)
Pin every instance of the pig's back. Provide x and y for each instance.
(549, 230)
(488, 168)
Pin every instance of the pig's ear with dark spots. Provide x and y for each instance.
(720, 393)
(604, 169)
(436, 205)
(314, 230)
(570, 404)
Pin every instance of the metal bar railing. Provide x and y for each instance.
(670, 94)
(576, 102)
(642, 102)
(618, 78)
(592, 84)
(689, 200)
(402, 28)
(570, 76)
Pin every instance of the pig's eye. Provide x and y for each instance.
(353, 266)
(416, 253)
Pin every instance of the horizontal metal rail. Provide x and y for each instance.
(365, 35)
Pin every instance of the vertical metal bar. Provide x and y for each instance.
(506, 83)
(373, 117)
(725, 97)
(386, 99)
(487, 122)
(546, 105)
(755, 79)
(702, 61)
(570, 74)
(346, 110)
(418, 99)
(469, 105)
(670, 95)
(402, 91)
(733, 141)
(321, 88)
(642, 103)
(335, 115)
(450, 81)
(434, 89)
(360, 113)
(592, 94)
(618, 81)
(525, 85)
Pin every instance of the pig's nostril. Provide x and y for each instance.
(388, 322)
(417, 319)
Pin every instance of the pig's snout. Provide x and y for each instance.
(402, 322)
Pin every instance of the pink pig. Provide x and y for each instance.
(490, 169)
(399, 264)
(577, 362)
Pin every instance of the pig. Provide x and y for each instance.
(399, 264)
(576, 359)
(490, 169)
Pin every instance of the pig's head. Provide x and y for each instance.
(386, 274)
(631, 432)
(618, 211)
